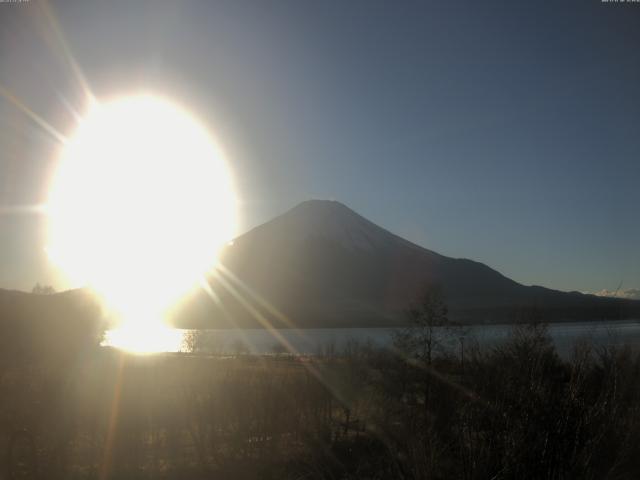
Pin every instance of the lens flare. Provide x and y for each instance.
(139, 207)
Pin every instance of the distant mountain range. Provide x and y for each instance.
(322, 265)
(629, 293)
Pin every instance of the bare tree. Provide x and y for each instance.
(424, 334)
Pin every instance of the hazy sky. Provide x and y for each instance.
(506, 132)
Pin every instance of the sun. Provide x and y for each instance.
(139, 207)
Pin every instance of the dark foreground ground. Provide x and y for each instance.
(516, 411)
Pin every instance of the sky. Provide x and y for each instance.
(505, 132)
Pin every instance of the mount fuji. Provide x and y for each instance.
(322, 265)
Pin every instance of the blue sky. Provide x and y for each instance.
(506, 132)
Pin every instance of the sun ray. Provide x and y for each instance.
(41, 122)
(105, 467)
(218, 302)
(227, 317)
(311, 368)
(257, 297)
(70, 108)
(37, 209)
(66, 51)
(257, 315)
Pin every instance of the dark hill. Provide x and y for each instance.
(47, 327)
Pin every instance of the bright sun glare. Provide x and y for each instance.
(139, 208)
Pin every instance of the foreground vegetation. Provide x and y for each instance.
(410, 412)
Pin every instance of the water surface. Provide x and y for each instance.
(329, 340)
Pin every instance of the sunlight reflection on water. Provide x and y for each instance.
(143, 340)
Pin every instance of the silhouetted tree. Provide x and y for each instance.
(424, 334)
(43, 289)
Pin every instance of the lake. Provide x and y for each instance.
(318, 340)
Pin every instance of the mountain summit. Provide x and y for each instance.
(329, 221)
(332, 221)
(323, 265)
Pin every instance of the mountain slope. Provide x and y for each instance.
(322, 264)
